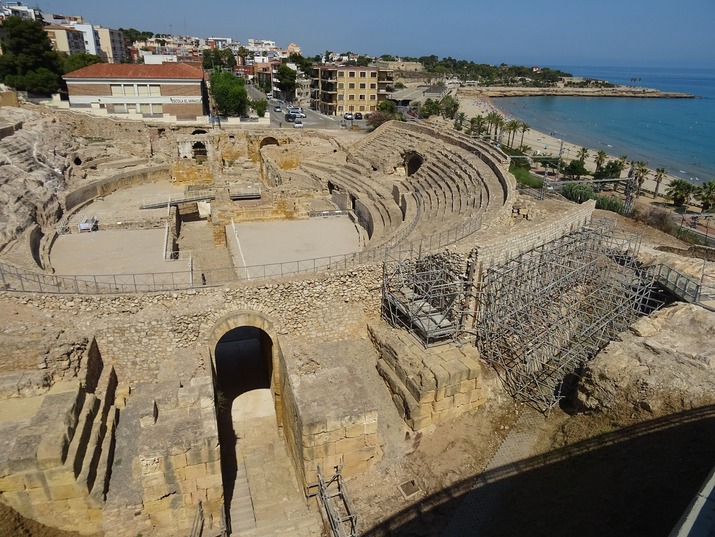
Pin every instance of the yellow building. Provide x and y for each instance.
(338, 89)
(65, 39)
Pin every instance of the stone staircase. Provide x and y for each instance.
(64, 454)
(267, 498)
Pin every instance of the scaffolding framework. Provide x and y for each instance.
(337, 507)
(424, 295)
(544, 313)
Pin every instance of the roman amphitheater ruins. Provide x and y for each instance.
(221, 328)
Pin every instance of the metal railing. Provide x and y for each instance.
(679, 284)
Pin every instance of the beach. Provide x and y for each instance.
(546, 143)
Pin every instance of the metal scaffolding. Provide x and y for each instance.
(336, 504)
(424, 295)
(544, 313)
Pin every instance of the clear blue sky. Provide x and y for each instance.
(523, 32)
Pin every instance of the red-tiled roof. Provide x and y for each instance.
(131, 70)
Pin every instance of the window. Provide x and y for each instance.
(363, 74)
(341, 85)
(340, 96)
(341, 74)
(142, 91)
(373, 85)
(362, 85)
(154, 90)
(373, 74)
(145, 109)
(351, 85)
(373, 97)
(362, 97)
(351, 97)
(117, 90)
(157, 108)
(351, 74)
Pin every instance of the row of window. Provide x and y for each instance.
(148, 109)
(363, 74)
(361, 97)
(135, 90)
(351, 85)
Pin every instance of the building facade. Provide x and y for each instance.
(173, 91)
(112, 45)
(338, 89)
(65, 39)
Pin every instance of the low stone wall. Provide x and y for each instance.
(506, 248)
(364, 217)
(117, 182)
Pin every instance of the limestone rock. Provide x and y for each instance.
(664, 364)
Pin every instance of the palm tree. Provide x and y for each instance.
(511, 127)
(499, 127)
(659, 176)
(524, 128)
(493, 118)
(582, 154)
(459, 120)
(477, 124)
(679, 190)
(705, 194)
(641, 172)
(600, 159)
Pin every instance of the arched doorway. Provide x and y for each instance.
(199, 151)
(269, 140)
(413, 161)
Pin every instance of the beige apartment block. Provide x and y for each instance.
(338, 89)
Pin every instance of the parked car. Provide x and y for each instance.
(298, 124)
(290, 117)
(358, 115)
(278, 109)
(348, 116)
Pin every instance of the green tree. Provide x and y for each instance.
(72, 62)
(229, 94)
(575, 169)
(285, 77)
(659, 176)
(387, 106)
(679, 190)
(363, 61)
(243, 53)
(304, 64)
(429, 108)
(459, 120)
(476, 125)
(132, 35)
(228, 60)
(601, 157)
(705, 194)
(28, 62)
(378, 117)
(449, 106)
(612, 170)
(641, 171)
(260, 106)
(524, 128)
(511, 127)
(582, 154)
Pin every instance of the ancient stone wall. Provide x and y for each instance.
(119, 181)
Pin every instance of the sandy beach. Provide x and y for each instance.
(547, 144)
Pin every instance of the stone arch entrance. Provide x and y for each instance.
(268, 140)
(199, 151)
(413, 161)
(246, 361)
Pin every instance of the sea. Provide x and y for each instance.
(675, 134)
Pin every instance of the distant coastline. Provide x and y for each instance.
(617, 91)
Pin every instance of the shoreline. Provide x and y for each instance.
(479, 103)
(618, 91)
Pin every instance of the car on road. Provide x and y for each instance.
(298, 124)
(348, 116)
(290, 117)
(277, 109)
(358, 115)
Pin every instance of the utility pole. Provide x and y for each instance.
(561, 152)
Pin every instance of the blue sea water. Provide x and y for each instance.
(676, 134)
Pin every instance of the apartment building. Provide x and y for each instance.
(338, 89)
(112, 45)
(65, 39)
(171, 90)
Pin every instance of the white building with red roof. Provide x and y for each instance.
(173, 91)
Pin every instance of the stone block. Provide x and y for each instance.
(466, 386)
(187, 486)
(63, 492)
(473, 368)
(178, 461)
(196, 455)
(34, 479)
(444, 404)
(194, 471)
(59, 476)
(358, 429)
(370, 428)
(457, 371)
(460, 399)
(52, 448)
(208, 482)
(450, 390)
(12, 482)
(349, 444)
(419, 423)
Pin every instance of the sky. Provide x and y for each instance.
(666, 33)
